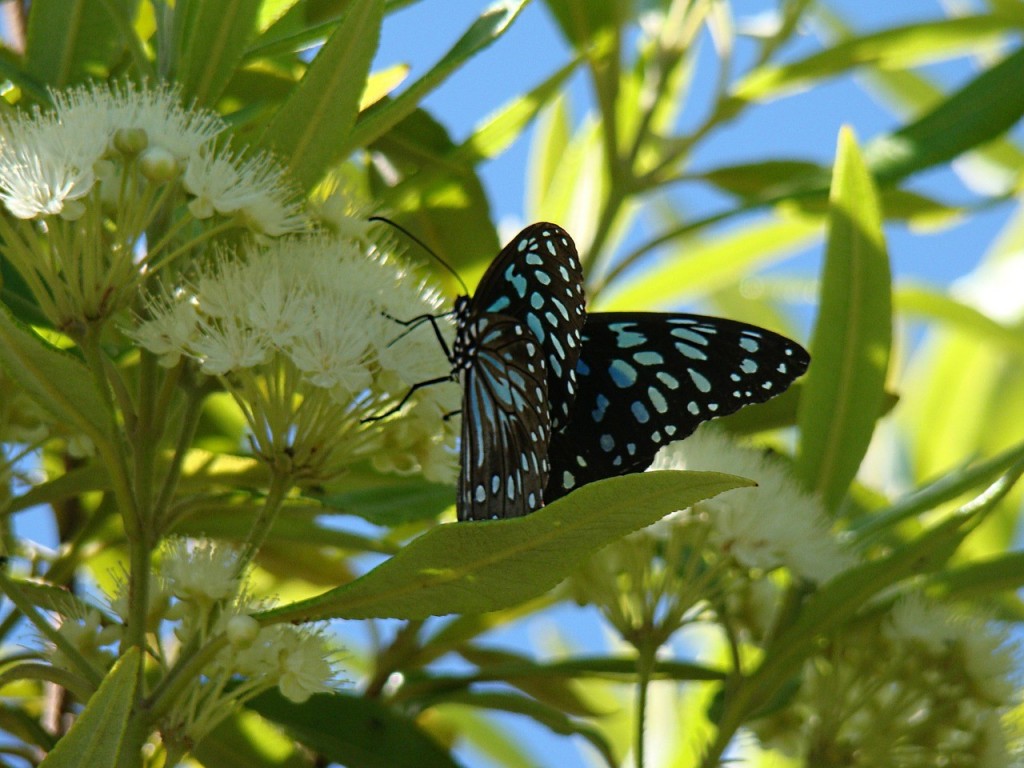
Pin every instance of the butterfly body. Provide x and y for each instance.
(554, 398)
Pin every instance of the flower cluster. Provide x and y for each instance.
(209, 601)
(200, 597)
(717, 554)
(86, 182)
(303, 333)
(919, 686)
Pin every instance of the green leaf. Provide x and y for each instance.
(550, 717)
(211, 37)
(703, 266)
(768, 178)
(389, 500)
(580, 21)
(54, 379)
(96, 736)
(844, 387)
(982, 580)
(896, 48)
(244, 740)
(947, 487)
(70, 40)
(502, 128)
(933, 304)
(483, 566)
(517, 670)
(378, 119)
(548, 152)
(985, 108)
(439, 196)
(312, 127)
(353, 731)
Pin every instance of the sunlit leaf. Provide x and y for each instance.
(908, 46)
(843, 391)
(96, 737)
(354, 731)
(312, 127)
(211, 38)
(709, 264)
(491, 564)
(385, 114)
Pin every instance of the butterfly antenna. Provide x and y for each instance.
(425, 247)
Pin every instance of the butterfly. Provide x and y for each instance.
(554, 398)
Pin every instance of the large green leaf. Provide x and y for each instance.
(354, 731)
(985, 108)
(54, 379)
(844, 387)
(311, 129)
(96, 736)
(69, 40)
(211, 38)
(492, 564)
(379, 118)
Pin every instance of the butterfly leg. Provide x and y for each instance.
(404, 400)
(413, 323)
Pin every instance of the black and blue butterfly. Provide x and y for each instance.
(555, 398)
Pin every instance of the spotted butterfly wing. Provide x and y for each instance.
(506, 424)
(537, 278)
(648, 378)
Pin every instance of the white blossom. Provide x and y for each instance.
(771, 525)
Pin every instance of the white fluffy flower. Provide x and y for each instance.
(771, 525)
(301, 329)
(252, 187)
(203, 570)
(44, 168)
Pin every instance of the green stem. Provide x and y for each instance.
(280, 484)
(646, 649)
(189, 425)
(181, 675)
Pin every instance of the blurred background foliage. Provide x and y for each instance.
(923, 420)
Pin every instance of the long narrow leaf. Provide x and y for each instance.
(907, 46)
(97, 735)
(377, 120)
(311, 129)
(213, 40)
(54, 379)
(843, 392)
(985, 108)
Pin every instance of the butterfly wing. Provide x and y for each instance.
(646, 379)
(538, 278)
(506, 423)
